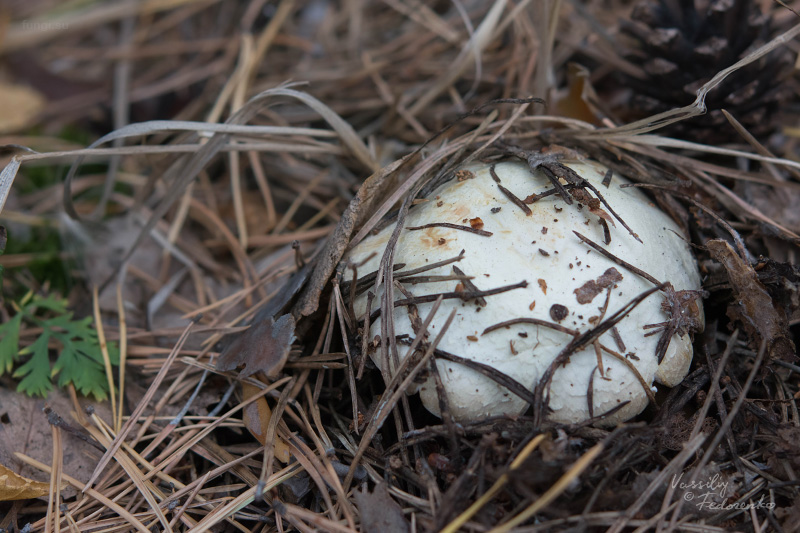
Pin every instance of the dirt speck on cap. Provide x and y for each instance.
(464, 175)
(476, 223)
(558, 312)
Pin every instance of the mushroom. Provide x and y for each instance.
(504, 231)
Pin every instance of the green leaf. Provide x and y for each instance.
(113, 353)
(36, 371)
(77, 364)
(80, 360)
(55, 304)
(9, 343)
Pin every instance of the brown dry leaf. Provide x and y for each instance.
(16, 487)
(24, 428)
(257, 416)
(752, 306)
(20, 105)
(575, 103)
(262, 348)
(379, 512)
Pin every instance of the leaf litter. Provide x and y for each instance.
(274, 426)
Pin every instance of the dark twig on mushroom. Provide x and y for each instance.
(498, 377)
(368, 280)
(482, 233)
(470, 286)
(555, 171)
(541, 391)
(510, 195)
(469, 295)
(680, 306)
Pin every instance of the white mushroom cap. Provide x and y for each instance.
(543, 250)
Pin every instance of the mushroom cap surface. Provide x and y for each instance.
(568, 284)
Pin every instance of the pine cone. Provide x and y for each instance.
(682, 44)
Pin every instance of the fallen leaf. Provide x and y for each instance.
(256, 417)
(579, 100)
(379, 512)
(262, 348)
(20, 105)
(24, 428)
(752, 306)
(16, 487)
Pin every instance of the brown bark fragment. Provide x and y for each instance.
(587, 292)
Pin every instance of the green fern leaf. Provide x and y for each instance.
(78, 364)
(80, 359)
(36, 372)
(55, 304)
(9, 343)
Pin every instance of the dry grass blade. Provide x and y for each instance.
(7, 179)
(52, 519)
(123, 357)
(345, 130)
(656, 140)
(480, 39)
(19, 36)
(101, 338)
